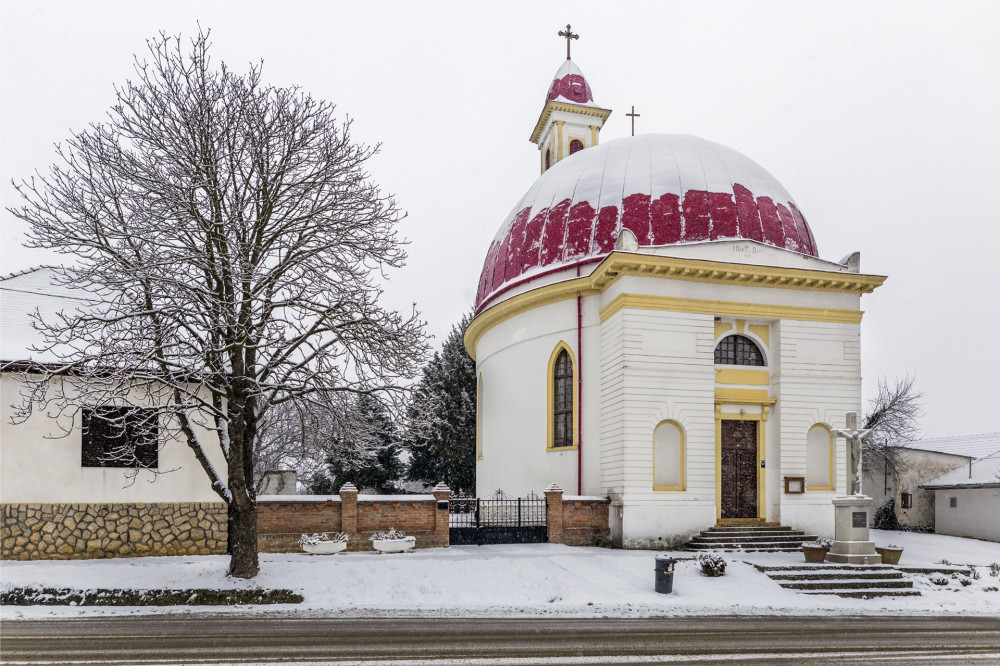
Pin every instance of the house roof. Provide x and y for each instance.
(984, 473)
(974, 446)
(23, 294)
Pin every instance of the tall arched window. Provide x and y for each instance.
(562, 398)
(668, 456)
(575, 146)
(819, 458)
(738, 350)
(548, 158)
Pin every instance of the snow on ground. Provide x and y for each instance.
(513, 580)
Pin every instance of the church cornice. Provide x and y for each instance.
(552, 106)
(619, 264)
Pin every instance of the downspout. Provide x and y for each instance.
(579, 389)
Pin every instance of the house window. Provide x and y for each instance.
(575, 146)
(953, 502)
(120, 437)
(562, 398)
(668, 456)
(819, 458)
(906, 500)
(738, 350)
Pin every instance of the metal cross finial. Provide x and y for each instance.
(633, 116)
(568, 34)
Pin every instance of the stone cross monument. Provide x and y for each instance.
(852, 543)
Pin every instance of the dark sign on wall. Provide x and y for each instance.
(859, 518)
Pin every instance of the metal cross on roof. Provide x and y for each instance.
(633, 116)
(568, 34)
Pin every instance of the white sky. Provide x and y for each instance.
(881, 119)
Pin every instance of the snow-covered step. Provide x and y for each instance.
(845, 584)
(714, 538)
(843, 580)
(830, 575)
(869, 593)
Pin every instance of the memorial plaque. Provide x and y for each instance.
(859, 518)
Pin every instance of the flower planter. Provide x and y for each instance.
(404, 545)
(325, 547)
(889, 555)
(815, 554)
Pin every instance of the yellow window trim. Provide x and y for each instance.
(742, 376)
(832, 469)
(550, 393)
(618, 264)
(680, 429)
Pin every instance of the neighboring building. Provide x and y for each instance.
(66, 494)
(920, 462)
(967, 500)
(654, 324)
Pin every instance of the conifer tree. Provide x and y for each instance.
(441, 428)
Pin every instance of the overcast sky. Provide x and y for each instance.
(880, 118)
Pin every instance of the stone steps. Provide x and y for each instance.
(861, 582)
(750, 538)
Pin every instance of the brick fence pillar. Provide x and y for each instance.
(442, 493)
(349, 514)
(554, 512)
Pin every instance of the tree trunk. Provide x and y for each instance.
(243, 561)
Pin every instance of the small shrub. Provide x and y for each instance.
(392, 535)
(885, 516)
(712, 565)
(994, 569)
(938, 579)
(819, 543)
(965, 581)
(991, 589)
(974, 572)
(947, 563)
(313, 539)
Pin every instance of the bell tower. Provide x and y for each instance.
(570, 120)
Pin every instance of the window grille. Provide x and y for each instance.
(906, 500)
(120, 437)
(575, 146)
(562, 401)
(738, 350)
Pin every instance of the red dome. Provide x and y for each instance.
(665, 188)
(568, 85)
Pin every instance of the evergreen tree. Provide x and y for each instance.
(441, 428)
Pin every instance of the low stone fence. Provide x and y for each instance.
(577, 520)
(84, 531)
(282, 519)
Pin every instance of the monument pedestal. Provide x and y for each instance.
(852, 544)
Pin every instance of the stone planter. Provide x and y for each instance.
(815, 554)
(325, 547)
(404, 545)
(889, 555)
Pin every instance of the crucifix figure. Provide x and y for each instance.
(568, 34)
(633, 116)
(854, 438)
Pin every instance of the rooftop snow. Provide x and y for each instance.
(976, 446)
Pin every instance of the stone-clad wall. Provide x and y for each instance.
(82, 531)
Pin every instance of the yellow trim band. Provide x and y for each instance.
(553, 106)
(702, 306)
(741, 376)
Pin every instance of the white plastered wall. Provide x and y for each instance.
(975, 513)
(39, 465)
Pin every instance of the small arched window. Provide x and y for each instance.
(738, 350)
(668, 456)
(819, 458)
(561, 400)
(548, 158)
(575, 146)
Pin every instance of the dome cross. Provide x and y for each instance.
(633, 116)
(568, 34)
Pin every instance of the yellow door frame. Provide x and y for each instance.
(755, 398)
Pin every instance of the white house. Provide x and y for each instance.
(654, 324)
(967, 499)
(62, 492)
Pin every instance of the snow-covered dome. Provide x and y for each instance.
(665, 188)
(568, 85)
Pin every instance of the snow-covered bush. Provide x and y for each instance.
(938, 579)
(994, 569)
(392, 535)
(885, 517)
(965, 581)
(313, 539)
(819, 543)
(712, 565)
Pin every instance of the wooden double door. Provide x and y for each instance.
(739, 469)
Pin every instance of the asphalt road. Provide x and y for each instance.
(230, 639)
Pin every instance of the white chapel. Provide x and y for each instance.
(654, 324)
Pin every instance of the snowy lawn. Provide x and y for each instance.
(536, 579)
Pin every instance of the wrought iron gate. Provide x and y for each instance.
(501, 519)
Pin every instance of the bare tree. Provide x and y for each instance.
(892, 416)
(232, 246)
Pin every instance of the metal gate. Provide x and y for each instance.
(500, 519)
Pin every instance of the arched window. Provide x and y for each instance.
(548, 158)
(819, 458)
(668, 456)
(575, 146)
(738, 350)
(562, 398)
